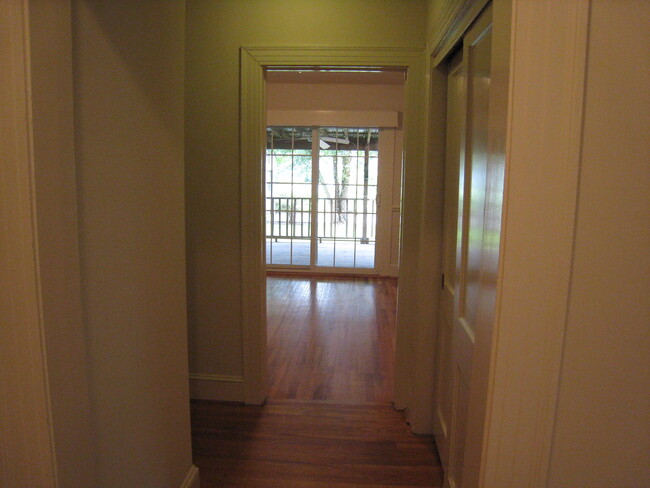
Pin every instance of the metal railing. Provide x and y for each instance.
(338, 218)
(288, 217)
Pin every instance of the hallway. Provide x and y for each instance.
(328, 421)
(288, 444)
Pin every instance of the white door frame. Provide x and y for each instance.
(542, 151)
(25, 417)
(542, 79)
(252, 139)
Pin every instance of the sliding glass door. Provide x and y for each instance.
(289, 196)
(347, 197)
(321, 197)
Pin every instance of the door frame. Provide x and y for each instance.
(542, 147)
(253, 61)
(25, 415)
(538, 220)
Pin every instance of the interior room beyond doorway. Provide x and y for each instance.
(333, 170)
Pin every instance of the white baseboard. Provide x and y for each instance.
(192, 478)
(216, 387)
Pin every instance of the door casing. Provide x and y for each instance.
(253, 125)
(511, 384)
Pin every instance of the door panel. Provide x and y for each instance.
(288, 196)
(323, 192)
(465, 287)
(478, 63)
(458, 429)
(347, 197)
(444, 387)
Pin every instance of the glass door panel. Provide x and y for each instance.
(347, 197)
(288, 196)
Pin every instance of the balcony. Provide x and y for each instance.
(345, 236)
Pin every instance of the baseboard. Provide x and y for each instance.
(192, 478)
(389, 271)
(216, 387)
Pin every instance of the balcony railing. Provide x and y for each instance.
(338, 218)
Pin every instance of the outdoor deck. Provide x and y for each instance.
(339, 254)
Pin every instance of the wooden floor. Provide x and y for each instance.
(328, 422)
(288, 444)
(331, 339)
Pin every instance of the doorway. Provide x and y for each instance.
(335, 138)
(330, 163)
(254, 63)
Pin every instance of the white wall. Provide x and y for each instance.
(128, 100)
(602, 434)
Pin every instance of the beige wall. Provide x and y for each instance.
(128, 98)
(602, 434)
(434, 13)
(215, 32)
(334, 96)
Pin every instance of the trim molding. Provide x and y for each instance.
(26, 423)
(192, 478)
(253, 282)
(252, 139)
(216, 387)
(543, 144)
(455, 18)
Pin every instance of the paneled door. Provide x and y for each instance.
(469, 84)
(455, 152)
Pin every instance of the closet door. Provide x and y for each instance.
(456, 98)
(469, 92)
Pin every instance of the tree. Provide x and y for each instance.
(341, 187)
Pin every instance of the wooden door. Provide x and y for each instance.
(467, 144)
(456, 98)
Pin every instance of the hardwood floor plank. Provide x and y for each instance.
(293, 473)
(307, 445)
(329, 422)
(331, 339)
(306, 450)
